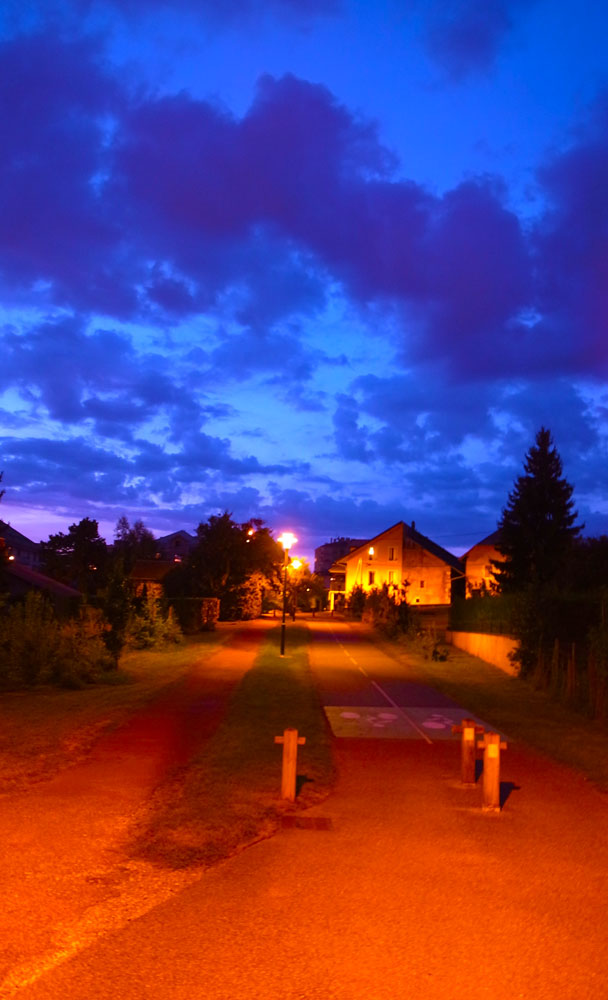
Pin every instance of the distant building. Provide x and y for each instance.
(478, 565)
(147, 576)
(413, 567)
(20, 580)
(19, 548)
(176, 546)
(326, 555)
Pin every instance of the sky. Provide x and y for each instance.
(328, 263)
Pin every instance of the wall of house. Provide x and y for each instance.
(396, 560)
(479, 568)
(384, 565)
(493, 649)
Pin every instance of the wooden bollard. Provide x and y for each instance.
(469, 729)
(290, 741)
(491, 746)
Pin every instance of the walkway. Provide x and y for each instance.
(397, 886)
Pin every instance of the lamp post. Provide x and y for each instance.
(286, 540)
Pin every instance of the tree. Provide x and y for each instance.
(132, 543)
(78, 558)
(537, 527)
(225, 558)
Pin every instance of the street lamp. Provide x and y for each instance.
(286, 540)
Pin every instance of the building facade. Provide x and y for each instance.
(478, 565)
(411, 566)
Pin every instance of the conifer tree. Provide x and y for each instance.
(537, 527)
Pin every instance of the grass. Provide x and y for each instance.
(513, 706)
(228, 797)
(44, 730)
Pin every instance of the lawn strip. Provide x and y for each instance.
(512, 706)
(229, 795)
(44, 730)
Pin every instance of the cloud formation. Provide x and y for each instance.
(175, 279)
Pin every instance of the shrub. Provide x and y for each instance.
(355, 604)
(152, 624)
(39, 649)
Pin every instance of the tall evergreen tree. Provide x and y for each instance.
(537, 527)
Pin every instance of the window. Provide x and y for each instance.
(391, 576)
(421, 584)
(370, 577)
(391, 553)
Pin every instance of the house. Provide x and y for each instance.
(19, 580)
(176, 546)
(329, 553)
(19, 548)
(147, 576)
(412, 566)
(478, 565)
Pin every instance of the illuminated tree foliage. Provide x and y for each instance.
(233, 562)
(537, 527)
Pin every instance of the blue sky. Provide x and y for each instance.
(331, 263)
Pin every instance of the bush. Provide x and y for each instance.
(39, 649)
(152, 624)
(355, 604)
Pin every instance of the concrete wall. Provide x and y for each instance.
(493, 649)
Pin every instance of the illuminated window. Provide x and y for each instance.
(391, 576)
(370, 578)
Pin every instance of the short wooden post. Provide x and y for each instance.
(491, 746)
(469, 729)
(290, 741)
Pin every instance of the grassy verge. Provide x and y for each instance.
(512, 706)
(228, 796)
(44, 730)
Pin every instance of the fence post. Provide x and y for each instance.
(469, 729)
(290, 741)
(491, 746)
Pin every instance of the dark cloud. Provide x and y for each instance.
(259, 213)
(163, 210)
(465, 36)
(571, 243)
(349, 436)
(57, 225)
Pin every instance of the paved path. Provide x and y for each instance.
(402, 888)
(64, 875)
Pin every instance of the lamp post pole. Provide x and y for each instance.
(284, 601)
(286, 540)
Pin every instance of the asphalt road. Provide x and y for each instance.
(397, 886)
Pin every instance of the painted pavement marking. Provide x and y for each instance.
(362, 721)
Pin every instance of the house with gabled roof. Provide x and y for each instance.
(413, 567)
(147, 576)
(18, 547)
(478, 564)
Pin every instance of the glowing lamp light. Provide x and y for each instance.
(287, 539)
(371, 550)
(296, 563)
